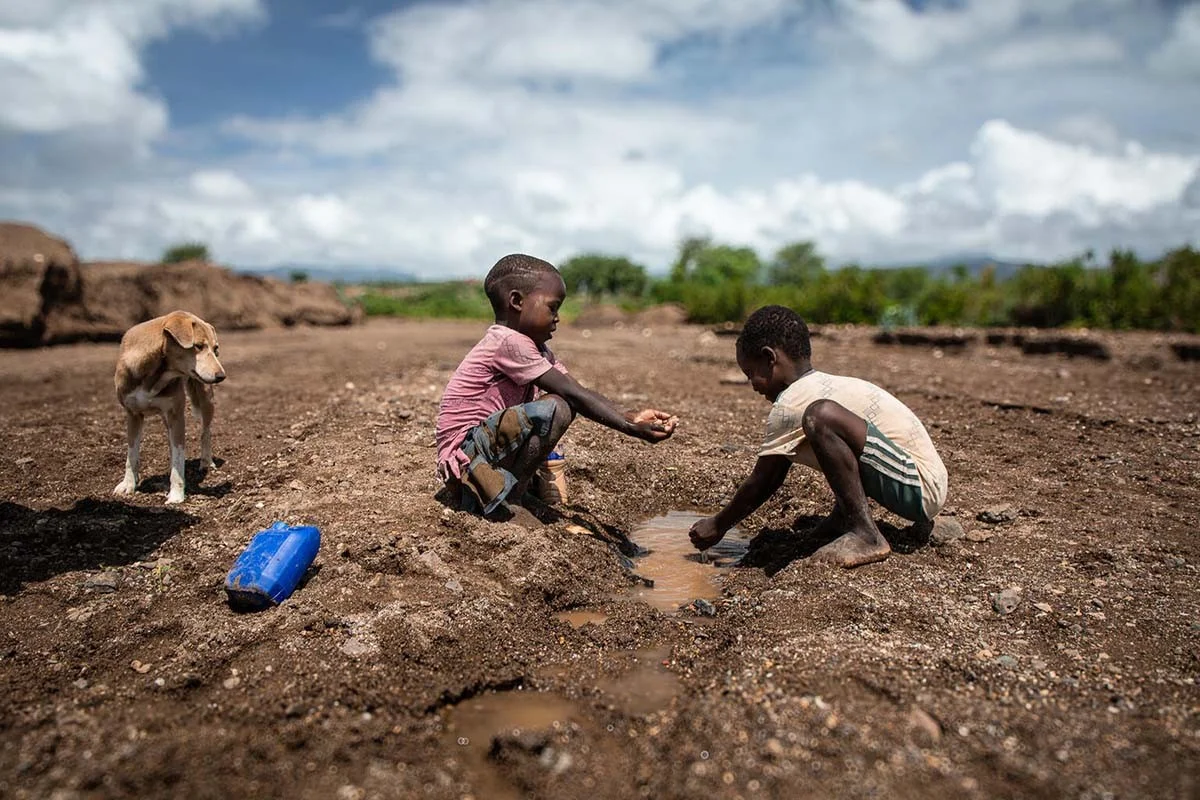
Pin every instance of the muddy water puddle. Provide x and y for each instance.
(680, 573)
(577, 618)
(473, 725)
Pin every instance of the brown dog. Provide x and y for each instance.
(162, 362)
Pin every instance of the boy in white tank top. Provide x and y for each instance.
(865, 442)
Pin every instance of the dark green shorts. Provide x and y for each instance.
(890, 477)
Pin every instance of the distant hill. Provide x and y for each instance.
(347, 274)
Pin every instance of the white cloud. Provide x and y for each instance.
(1027, 52)
(1180, 54)
(552, 128)
(220, 184)
(74, 65)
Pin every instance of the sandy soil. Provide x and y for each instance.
(125, 673)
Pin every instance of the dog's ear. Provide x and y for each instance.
(181, 328)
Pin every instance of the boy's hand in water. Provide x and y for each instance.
(705, 533)
(653, 425)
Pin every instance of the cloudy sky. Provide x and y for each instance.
(434, 137)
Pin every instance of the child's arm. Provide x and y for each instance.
(768, 475)
(650, 424)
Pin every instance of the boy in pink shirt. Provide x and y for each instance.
(510, 400)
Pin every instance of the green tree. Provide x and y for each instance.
(186, 251)
(717, 265)
(796, 264)
(596, 275)
(689, 249)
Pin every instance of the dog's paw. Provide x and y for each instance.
(125, 488)
(175, 498)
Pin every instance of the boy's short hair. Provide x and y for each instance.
(778, 327)
(515, 271)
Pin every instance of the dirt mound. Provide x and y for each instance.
(665, 314)
(36, 269)
(601, 315)
(117, 295)
(47, 297)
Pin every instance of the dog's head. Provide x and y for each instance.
(191, 347)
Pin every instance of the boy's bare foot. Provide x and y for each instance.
(854, 549)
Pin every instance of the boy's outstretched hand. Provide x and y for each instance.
(653, 425)
(705, 533)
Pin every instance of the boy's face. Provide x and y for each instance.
(539, 308)
(764, 371)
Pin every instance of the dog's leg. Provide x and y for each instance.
(202, 400)
(176, 420)
(134, 424)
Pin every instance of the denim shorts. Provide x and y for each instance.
(485, 483)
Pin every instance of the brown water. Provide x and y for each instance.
(646, 687)
(679, 572)
(580, 617)
(473, 724)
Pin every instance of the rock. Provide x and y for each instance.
(996, 515)
(454, 585)
(1006, 602)
(945, 530)
(704, 608)
(1008, 662)
(23, 462)
(979, 536)
(1046, 607)
(921, 721)
(105, 582)
(358, 646)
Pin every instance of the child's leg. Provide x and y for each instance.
(837, 437)
(541, 442)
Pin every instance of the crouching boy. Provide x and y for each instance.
(511, 400)
(862, 439)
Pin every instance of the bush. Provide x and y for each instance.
(187, 251)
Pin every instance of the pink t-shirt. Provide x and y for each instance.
(498, 373)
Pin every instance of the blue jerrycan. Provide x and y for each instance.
(271, 566)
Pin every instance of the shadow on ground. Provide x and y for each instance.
(774, 548)
(193, 475)
(36, 545)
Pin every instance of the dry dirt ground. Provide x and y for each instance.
(125, 673)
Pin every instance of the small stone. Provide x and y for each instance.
(1006, 602)
(81, 683)
(139, 667)
(22, 462)
(105, 582)
(1046, 607)
(979, 536)
(1008, 662)
(996, 515)
(704, 608)
(921, 721)
(945, 531)
(297, 485)
(775, 747)
(349, 386)
(231, 683)
(454, 585)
